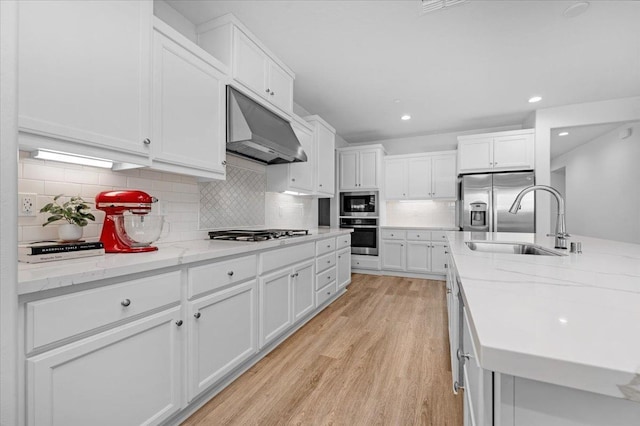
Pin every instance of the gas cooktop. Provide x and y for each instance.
(257, 235)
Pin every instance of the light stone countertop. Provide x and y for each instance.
(572, 320)
(49, 275)
(428, 228)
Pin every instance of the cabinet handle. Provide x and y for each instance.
(197, 315)
(457, 386)
(230, 273)
(224, 163)
(446, 252)
(125, 302)
(446, 266)
(272, 93)
(460, 355)
(293, 275)
(179, 323)
(448, 291)
(147, 141)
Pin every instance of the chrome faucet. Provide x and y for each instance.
(561, 226)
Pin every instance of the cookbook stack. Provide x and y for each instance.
(47, 251)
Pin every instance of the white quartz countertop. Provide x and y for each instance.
(45, 276)
(571, 320)
(432, 228)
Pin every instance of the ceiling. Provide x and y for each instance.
(362, 64)
(577, 136)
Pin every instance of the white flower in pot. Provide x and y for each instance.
(75, 211)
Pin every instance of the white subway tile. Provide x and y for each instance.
(68, 189)
(81, 176)
(42, 172)
(39, 233)
(112, 179)
(89, 192)
(20, 239)
(170, 177)
(30, 185)
(189, 179)
(161, 185)
(139, 183)
(150, 174)
(129, 172)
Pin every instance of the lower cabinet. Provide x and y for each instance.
(394, 255)
(277, 299)
(415, 251)
(344, 267)
(222, 334)
(129, 375)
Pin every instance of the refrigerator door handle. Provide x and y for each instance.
(490, 211)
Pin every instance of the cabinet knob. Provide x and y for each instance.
(339, 257)
(418, 236)
(319, 184)
(329, 277)
(446, 252)
(230, 273)
(197, 315)
(448, 291)
(293, 179)
(292, 275)
(267, 90)
(179, 323)
(460, 355)
(392, 235)
(224, 163)
(404, 194)
(401, 245)
(457, 386)
(125, 302)
(328, 261)
(272, 93)
(329, 293)
(147, 141)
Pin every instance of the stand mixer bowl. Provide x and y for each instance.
(139, 230)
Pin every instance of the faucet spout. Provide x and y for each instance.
(561, 226)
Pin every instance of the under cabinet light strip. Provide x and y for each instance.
(43, 154)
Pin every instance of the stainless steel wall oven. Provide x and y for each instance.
(364, 239)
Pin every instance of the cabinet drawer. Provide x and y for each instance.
(326, 261)
(393, 234)
(371, 262)
(326, 293)
(325, 246)
(343, 241)
(286, 256)
(439, 236)
(210, 277)
(419, 235)
(60, 317)
(325, 278)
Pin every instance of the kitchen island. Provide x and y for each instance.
(558, 333)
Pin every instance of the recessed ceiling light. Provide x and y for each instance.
(396, 101)
(534, 99)
(563, 133)
(405, 117)
(576, 9)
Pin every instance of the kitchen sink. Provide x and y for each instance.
(510, 248)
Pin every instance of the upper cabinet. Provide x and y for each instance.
(421, 177)
(189, 112)
(325, 144)
(84, 77)
(252, 64)
(501, 151)
(361, 168)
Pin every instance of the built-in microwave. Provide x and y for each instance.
(359, 204)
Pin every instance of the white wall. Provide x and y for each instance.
(602, 179)
(169, 15)
(611, 111)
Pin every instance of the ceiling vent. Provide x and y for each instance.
(429, 6)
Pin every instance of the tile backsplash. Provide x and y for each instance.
(191, 208)
(421, 213)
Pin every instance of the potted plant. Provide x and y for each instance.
(76, 212)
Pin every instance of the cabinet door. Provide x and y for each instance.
(280, 88)
(393, 255)
(189, 108)
(301, 174)
(513, 152)
(303, 285)
(369, 170)
(249, 63)
(444, 176)
(348, 170)
(475, 154)
(130, 375)
(419, 178)
(222, 334)
(395, 179)
(275, 305)
(418, 256)
(344, 267)
(326, 171)
(84, 72)
(439, 258)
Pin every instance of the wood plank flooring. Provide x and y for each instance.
(377, 356)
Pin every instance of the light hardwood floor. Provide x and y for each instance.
(376, 356)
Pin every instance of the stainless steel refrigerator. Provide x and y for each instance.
(485, 200)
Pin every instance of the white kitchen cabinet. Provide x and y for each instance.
(453, 316)
(252, 64)
(500, 151)
(222, 334)
(296, 177)
(420, 177)
(84, 77)
(303, 290)
(394, 256)
(344, 267)
(325, 143)
(189, 113)
(439, 257)
(360, 168)
(418, 256)
(129, 375)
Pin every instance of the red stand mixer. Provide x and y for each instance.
(130, 233)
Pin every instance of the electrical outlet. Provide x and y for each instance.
(27, 204)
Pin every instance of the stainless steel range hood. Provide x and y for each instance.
(255, 132)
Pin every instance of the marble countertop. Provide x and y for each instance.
(45, 276)
(432, 228)
(571, 320)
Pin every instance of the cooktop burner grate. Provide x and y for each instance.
(256, 235)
